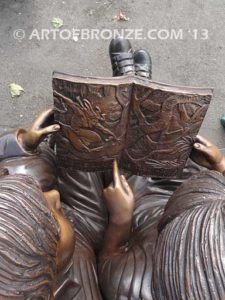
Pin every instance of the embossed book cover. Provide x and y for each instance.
(147, 126)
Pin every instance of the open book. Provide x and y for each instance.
(147, 126)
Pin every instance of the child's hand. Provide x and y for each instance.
(119, 198)
(41, 127)
(207, 155)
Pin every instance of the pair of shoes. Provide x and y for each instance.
(124, 61)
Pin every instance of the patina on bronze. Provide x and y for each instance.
(189, 255)
(148, 127)
(29, 170)
(126, 266)
(116, 225)
(124, 243)
(29, 235)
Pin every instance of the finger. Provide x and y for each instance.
(204, 150)
(110, 187)
(108, 191)
(116, 174)
(200, 147)
(42, 118)
(200, 159)
(203, 140)
(197, 146)
(48, 130)
(125, 185)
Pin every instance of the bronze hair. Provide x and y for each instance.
(189, 256)
(28, 240)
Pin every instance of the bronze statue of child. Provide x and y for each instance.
(25, 205)
(28, 185)
(115, 236)
(32, 219)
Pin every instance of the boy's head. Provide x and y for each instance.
(189, 255)
(30, 240)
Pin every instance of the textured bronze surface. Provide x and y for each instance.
(189, 254)
(133, 269)
(29, 235)
(149, 127)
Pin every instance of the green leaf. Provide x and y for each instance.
(57, 22)
(15, 90)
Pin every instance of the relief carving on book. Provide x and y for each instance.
(162, 128)
(93, 126)
(148, 127)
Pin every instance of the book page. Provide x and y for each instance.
(93, 116)
(164, 121)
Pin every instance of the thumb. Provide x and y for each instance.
(204, 150)
(48, 130)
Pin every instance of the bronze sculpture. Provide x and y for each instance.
(24, 144)
(189, 261)
(28, 267)
(147, 126)
(117, 236)
(29, 159)
(36, 240)
(39, 162)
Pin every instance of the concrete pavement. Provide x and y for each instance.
(186, 41)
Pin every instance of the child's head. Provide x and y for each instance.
(189, 255)
(30, 235)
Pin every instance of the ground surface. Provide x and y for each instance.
(191, 59)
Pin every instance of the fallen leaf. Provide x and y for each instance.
(57, 23)
(15, 90)
(121, 17)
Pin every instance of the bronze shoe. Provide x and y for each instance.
(143, 63)
(121, 54)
